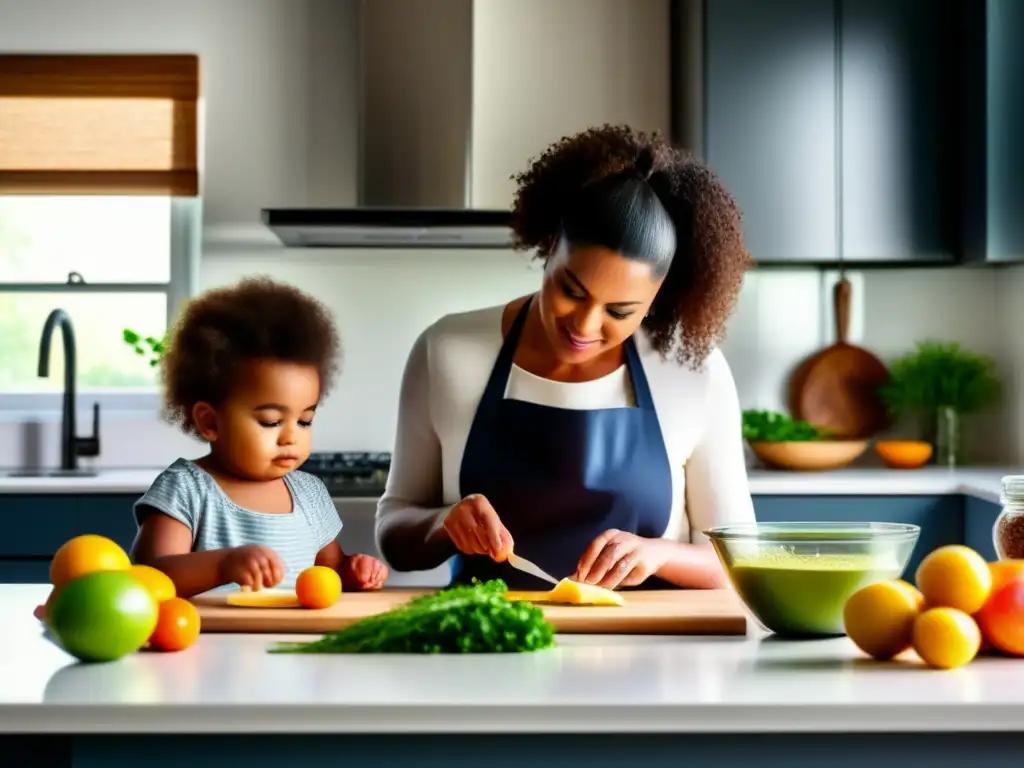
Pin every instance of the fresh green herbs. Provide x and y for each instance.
(145, 345)
(774, 427)
(478, 618)
(940, 375)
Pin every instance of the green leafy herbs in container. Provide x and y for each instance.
(784, 443)
(477, 618)
(145, 346)
(939, 382)
(773, 427)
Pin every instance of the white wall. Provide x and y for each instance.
(383, 300)
(280, 86)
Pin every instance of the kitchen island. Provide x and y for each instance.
(598, 699)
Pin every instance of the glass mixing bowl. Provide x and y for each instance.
(795, 578)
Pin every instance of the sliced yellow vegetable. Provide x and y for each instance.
(570, 592)
(574, 593)
(529, 597)
(264, 598)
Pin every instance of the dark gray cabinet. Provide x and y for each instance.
(979, 520)
(835, 125)
(39, 525)
(898, 138)
(993, 122)
(941, 517)
(770, 121)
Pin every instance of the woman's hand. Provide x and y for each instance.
(475, 529)
(252, 567)
(620, 559)
(362, 572)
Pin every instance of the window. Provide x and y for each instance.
(111, 263)
(99, 217)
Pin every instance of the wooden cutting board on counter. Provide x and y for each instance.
(658, 612)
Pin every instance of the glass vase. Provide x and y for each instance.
(948, 438)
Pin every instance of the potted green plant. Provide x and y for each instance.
(940, 382)
(146, 346)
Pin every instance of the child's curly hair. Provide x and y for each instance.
(221, 330)
(706, 272)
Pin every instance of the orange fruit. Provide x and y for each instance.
(1001, 619)
(177, 626)
(879, 618)
(318, 587)
(954, 576)
(157, 582)
(86, 554)
(946, 638)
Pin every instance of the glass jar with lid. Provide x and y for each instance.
(1008, 532)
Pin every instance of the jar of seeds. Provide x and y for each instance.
(1008, 532)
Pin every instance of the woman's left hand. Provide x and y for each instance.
(620, 559)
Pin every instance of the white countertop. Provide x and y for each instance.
(982, 482)
(229, 684)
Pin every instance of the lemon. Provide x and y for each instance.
(879, 618)
(946, 638)
(157, 582)
(954, 576)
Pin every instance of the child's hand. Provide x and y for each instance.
(42, 612)
(362, 572)
(252, 567)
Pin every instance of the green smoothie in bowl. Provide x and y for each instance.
(795, 578)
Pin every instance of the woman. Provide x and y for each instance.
(594, 426)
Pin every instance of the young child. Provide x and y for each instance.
(245, 370)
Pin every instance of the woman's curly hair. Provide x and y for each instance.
(224, 328)
(704, 280)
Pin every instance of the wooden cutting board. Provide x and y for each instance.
(659, 612)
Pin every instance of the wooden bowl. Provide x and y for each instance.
(810, 456)
(904, 454)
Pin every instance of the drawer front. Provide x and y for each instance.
(34, 571)
(109, 516)
(36, 526)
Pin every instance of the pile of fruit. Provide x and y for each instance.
(961, 606)
(103, 608)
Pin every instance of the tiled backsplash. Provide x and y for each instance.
(383, 300)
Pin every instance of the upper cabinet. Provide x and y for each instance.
(835, 125)
(993, 122)
(898, 196)
(770, 121)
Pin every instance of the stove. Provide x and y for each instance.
(350, 473)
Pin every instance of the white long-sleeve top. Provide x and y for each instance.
(444, 379)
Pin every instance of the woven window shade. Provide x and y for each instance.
(99, 125)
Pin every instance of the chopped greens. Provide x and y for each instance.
(774, 427)
(476, 618)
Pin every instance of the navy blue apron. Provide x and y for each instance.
(559, 477)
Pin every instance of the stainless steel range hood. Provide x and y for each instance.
(415, 139)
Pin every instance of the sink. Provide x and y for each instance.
(49, 473)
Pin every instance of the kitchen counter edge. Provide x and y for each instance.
(980, 482)
(765, 717)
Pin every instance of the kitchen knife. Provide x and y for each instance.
(524, 565)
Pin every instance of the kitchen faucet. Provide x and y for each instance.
(71, 446)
